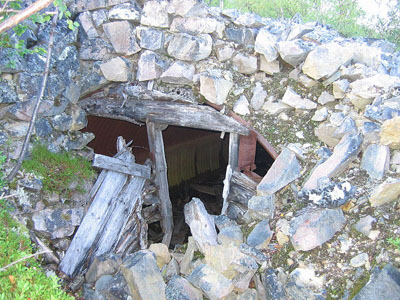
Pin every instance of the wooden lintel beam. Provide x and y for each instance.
(185, 115)
(114, 164)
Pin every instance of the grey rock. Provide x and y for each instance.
(359, 260)
(346, 126)
(249, 19)
(325, 98)
(241, 106)
(376, 160)
(284, 170)
(292, 99)
(183, 7)
(150, 66)
(241, 36)
(150, 38)
(43, 128)
(292, 52)
(213, 284)
(260, 236)
(258, 255)
(7, 93)
(325, 60)
(231, 235)
(170, 270)
(384, 284)
(273, 287)
(364, 225)
(386, 192)
(121, 34)
(95, 49)
(343, 154)
(57, 223)
(142, 275)
(222, 221)
(340, 88)
(370, 131)
(262, 207)
(195, 25)
(99, 17)
(315, 226)
(303, 284)
(231, 13)
(380, 113)
(298, 30)
(112, 287)
(329, 194)
(265, 44)
(155, 14)
(258, 98)
(77, 140)
(11, 62)
(190, 48)
(179, 73)
(245, 64)
(116, 69)
(269, 67)
(201, 224)
(320, 115)
(125, 11)
(224, 52)
(102, 265)
(214, 88)
(178, 288)
(86, 21)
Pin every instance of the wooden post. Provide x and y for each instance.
(156, 143)
(233, 151)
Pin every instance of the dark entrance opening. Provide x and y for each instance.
(196, 162)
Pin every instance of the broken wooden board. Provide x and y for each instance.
(116, 198)
(114, 164)
(163, 112)
(242, 188)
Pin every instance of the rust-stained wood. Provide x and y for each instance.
(186, 115)
(115, 164)
(247, 152)
(156, 144)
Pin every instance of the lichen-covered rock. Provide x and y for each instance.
(95, 49)
(260, 236)
(125, 11)
(315, 226)
(122, 36)
(262, 207)
(155, 13)
(86, 21)
(304, 284)
(116, 69)
(7, 93)
(187, 47)
(150, 38)
(150, 66)
(178, 288)
(230, 236)
(241, 36)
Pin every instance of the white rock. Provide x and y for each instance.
(215, 89)
(320, 115)
(258, 98)
(292, 99)
(270, 68)
(115, 69)
(325, 98)
(241, 106)
(155, 14)
(179, 73)
(265, 44)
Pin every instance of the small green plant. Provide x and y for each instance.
(2, 161)
(58, 170)
(24, 280)
(395, 242)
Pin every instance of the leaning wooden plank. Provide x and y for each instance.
(242, 188)
(93, 221)
(233, 151)
(186, 115)
(128, 201)
(157, 149)
(117, 165)
(227, 187)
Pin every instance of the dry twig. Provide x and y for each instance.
(22, 259)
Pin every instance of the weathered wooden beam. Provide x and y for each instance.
(116, 165)
(185, 115)
(233, 151)
(156, 145)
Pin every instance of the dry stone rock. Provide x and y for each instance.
(102, 265)
(201, 224)
(386, 192)
(375, 160)
(303, 284)
(95, 49)
(150, 66)
(170, 270)
(185, 265)
(115, 69)
(155, 14)
(340, 88)
(178, 288)
(183, 7)
(224, 52)
(214, 88)
(249, 20)
(7, 93)
(292, 99)
(315, 226)
(325, 98)
(150, 38)
(108, 285)
(371, 132)
(125, 11)
(187, 47)
(230, 236)
(86, 21)
(99, 17)
(325, 60)
(284, 170)
(272, 285)
(194, 25)
(343, 154)
(275, 108)
(121, 34)
(270, 68)
(359, 260)
(179, 73)
(320, 115)
(298, 30)
(262, 207)
(143, 276)
(241, 36)
(265, 44)
(258, 98)
(292, 52)
(364, 225)
(162, 254)
(241, 106)
(390, 133)
(260, 236)
(212, 283)
(245, 64)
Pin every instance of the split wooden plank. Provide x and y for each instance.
(233, 151)
(117, 165)
(156, 145)
(227, 187)
(163, 112)
(242, 188)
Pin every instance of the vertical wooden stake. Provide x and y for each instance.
(233, 151)
(156, 144)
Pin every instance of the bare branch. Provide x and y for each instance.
(23, 258)
(24, 14)
(37, 104)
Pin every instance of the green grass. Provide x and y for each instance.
(395, 242)
(58, 170)
(25, 280)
